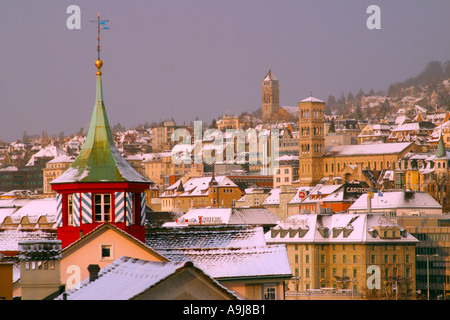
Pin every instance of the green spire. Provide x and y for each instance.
(440, 152)
(100, 160)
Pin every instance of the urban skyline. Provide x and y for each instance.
(200, 59)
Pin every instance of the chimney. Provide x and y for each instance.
(93, 272)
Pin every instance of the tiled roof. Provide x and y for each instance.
(230, 216)
(397, 199)
(307, 228)
(126, 278)
(10, 238)
(223, 263)
(204, 237)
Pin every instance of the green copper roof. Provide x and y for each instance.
(99, 159)
(440, 152)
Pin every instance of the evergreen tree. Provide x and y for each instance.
(332, 126)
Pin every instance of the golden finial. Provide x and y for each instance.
(99, 64)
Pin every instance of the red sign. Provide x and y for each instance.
(301, 194)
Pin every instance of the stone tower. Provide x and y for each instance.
(270, 96)
(311, 140)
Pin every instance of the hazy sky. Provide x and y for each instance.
(202, 58)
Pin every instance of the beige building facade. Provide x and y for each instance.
(334, 257)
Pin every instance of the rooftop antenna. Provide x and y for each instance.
(101, 25)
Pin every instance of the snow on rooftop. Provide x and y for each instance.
(10, 238)
(397, 200)
(64, 158)
(273, 198)
(49, 151)
(345, 227)
(124, 279)
(311, 99)
(195, 237)
(366, 149)
(266, 261)
(229, 216)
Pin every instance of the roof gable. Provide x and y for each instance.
(103, 229)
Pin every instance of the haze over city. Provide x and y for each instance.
(187, 59)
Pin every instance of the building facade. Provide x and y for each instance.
(342, 253)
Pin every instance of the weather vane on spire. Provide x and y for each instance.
(101, 25)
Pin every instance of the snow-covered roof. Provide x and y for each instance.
(273, 198)
(397, 200)
(229, 216)
(195, 237)
(49, 151)
(38, 207)
(222, 251)
(340, 227)
(415, 126)
(311, 99)
(198, 186)
(225, 263)
(270, 76)
(367, 149)
(126, 278)
(64, 158)
(10, 238)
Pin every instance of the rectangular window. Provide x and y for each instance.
(70, 209)
(269, 292)
(102, 207)
(106, 251)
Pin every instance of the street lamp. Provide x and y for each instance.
(296, 280)
(428, 270)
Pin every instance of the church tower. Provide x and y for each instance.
(270, 96)
(100, 186)
(311, 140)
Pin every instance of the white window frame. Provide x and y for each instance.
(102, 214)
(70, 210)
(109, 246)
